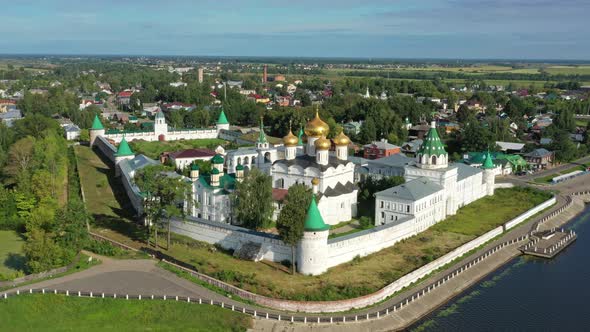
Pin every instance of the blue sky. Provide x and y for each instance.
(527, 29)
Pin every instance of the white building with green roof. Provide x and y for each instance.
(434, 188)
(161, 131)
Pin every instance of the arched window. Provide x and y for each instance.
(267, 158)
(246, 160)
(433, 160)
(239, 160)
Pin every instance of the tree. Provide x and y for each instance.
(475, 137)
(252, 200)
(565, 149)
(464, 113)
(292, 217)
(368, 188)
(368, 132)
(166, 197)
(20, 158)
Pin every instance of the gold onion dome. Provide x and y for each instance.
(316, 127)
(290, 139)
(315, 181)
(341, 139)
(322, 143)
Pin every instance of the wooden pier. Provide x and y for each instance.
(549, 243)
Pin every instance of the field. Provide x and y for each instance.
(11, 258)
(568, 70)
(155, 149)
(357, 278)
(60, 313)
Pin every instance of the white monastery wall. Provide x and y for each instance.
(232, 237)
(530, 213)
(106, 148)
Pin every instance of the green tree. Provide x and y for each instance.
(165, 198)
(565, 149)
(368, 132)
(252, 200)
(292, 217)
(368, 188)
(20, 159)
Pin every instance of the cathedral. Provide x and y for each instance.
(337, 192)
(302, 163)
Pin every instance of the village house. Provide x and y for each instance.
(379, 149)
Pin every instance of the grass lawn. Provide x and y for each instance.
(12, 260)
(106, 199)
(60, 313)
(154, 149)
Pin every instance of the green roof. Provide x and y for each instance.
(222, 118)
(262, 135)
(239, 167)
(124, 149)
(432, 145)
(314, 221)
(160, 115)
(194, 167)
(96, 124)
(214, 171)
(217, 159)
(226, 181)
(488, 163)
(300, 136)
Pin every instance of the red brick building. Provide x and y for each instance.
(380, 149)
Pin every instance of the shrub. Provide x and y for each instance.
(366, 222)
(103, 248)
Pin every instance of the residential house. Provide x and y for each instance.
(72, 132)
(259, 98)
(540, 158)
(352, 128)
(411, 148)
(12, 114)
(510, 147)
(124, 97)
(418, 131)
(178, 84)
(379, 149)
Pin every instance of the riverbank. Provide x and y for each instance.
(437, 297)
(526, 294)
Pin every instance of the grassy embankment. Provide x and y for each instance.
(60, 313)
(359, 277)
(155, 149)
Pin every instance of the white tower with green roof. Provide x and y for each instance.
(489, 176)
(123, 152)
(222, 122)
(432, 153)
(313, 251)
(96, 130)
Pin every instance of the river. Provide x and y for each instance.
(527, 294)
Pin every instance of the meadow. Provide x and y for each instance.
(50, 312)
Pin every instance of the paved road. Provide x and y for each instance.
(145, 278)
